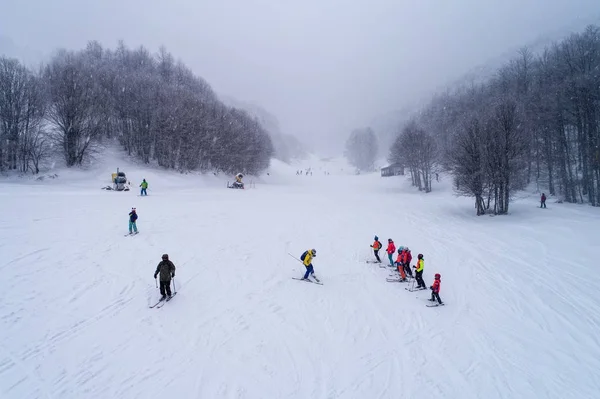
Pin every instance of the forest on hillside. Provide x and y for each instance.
(155, 107)
(537, 120)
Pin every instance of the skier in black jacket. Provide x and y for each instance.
(166, 269)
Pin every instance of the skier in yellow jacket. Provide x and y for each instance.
(419, 272)
(306, 259)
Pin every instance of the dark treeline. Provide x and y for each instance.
(155, 107)
(537, 120)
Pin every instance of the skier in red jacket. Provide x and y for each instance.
(435, 289)
(407, 260)
(390, 251)
(543, 200)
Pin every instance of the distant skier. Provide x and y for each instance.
(435, 289)
(543, 201)
(307, 258)
(144, 186)
(391, 249)
(238, 181)
(406, 261)
(376, 247)
(166, 269)
(133, 217)
(419, 272)
(400, 264)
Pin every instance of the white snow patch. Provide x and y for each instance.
(521, 321)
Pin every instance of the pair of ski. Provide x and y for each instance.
(435, 305)
(162, 301)
(132, 234)
(318, 282)
(396, 280)
(381, 264)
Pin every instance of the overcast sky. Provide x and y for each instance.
(321, 67)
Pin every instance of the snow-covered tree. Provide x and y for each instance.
(361, 149)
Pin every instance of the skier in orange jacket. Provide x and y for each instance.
(400, 264)
(376, 247)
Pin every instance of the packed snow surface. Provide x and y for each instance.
(522, 314)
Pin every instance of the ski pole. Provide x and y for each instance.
(294, 257)
(174, 289)
(156, 282)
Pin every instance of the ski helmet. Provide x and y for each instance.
(407, 249)
(376, 238)
(165, 257)
(399, 250)
(420, 256)
(437, 276)
(313, 252)
(389, 240)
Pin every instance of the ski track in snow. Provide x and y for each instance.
(521, 321)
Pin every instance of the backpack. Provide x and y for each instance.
(303, 256)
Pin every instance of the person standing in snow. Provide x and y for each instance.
(435, 289)
(543, 201)
(419, 271)
(238, 181)
(166, 269)
(144, 186)
(376, 247)
(407, 258)
(306, 259)
(132, 221)
(391, 249)
(400, 264)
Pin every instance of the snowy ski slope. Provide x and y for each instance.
(522, 318)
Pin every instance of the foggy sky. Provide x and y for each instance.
(322, 67)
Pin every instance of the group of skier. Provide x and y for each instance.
(402, 265)
(166, 268)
